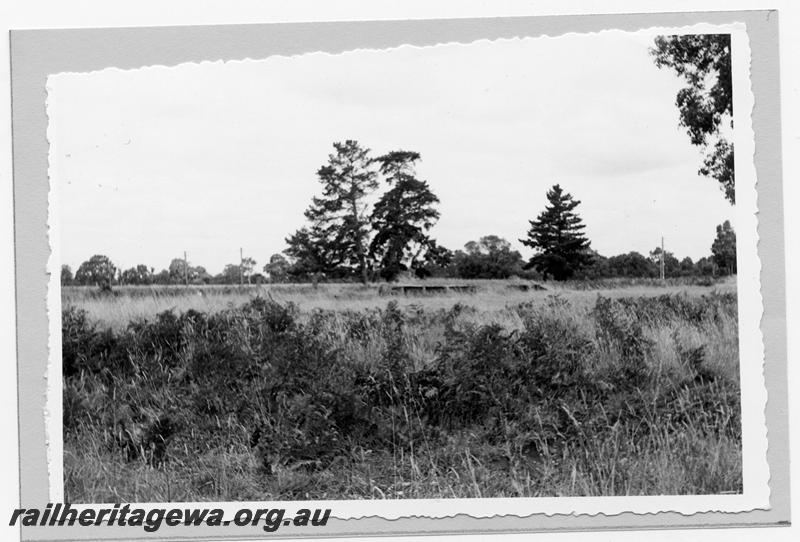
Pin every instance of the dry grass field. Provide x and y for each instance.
(129, 303)
(294, 392)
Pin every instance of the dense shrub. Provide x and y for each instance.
(85, 348)
(487, 372)
(311, 391)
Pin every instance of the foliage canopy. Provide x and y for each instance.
(557, 236)
(97, 270)
(703, 61)
(723, 250)
(339, 224)
(402, 216)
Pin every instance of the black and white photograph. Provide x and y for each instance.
(498, 269)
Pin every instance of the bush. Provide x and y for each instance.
(329, 390)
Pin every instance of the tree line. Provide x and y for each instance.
(346, 239)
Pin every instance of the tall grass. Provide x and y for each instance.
(127, 303)
(556, 395)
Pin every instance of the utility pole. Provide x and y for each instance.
(662, 257)
(185, 269)
(241, 267)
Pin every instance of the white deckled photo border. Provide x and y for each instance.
(756, 473)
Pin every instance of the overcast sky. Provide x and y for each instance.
(212, 157)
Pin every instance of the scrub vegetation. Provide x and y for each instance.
(627, 389)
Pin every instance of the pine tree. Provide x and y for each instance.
(308, 255)
(557, 236)
(339, 230)
(402, 216)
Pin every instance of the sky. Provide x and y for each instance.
(209, 158)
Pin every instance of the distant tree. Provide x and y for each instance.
(402, 217)
(706, 104)
(632, 264)
(491, 257)
(339, 229)
(138, 275)
(436, 261)
(488, 244)
(128, 276)
(687, 267)
(247, 266)
(723, 250)
(597, 268)
(705, 267)
(179, 270)
(672, 267)
(231, 274)
(66, 275)
(278, 268)
(557, 237)
(97, 270)
(257, 278)
(309, 255)
(199, 275)
(162, 277)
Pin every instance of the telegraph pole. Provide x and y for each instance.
(185, 269)
(662, 257)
